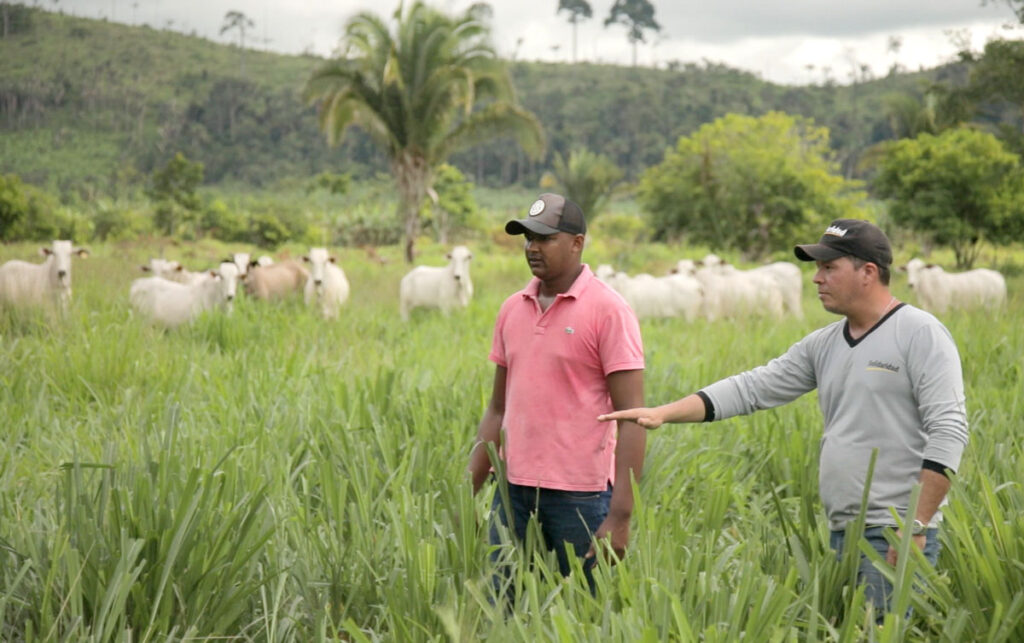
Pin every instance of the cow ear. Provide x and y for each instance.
(46, 252)
(930, 265)
(253, 263)
(901, 268)
(305, 258)
(213, 273)
(332, 259)
(82, 252)
(145, 268)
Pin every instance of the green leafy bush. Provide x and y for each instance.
(367, 225)
(173, 189)
(748, 184)
(27, 213)
(267, 231)
(113, 221)
(222, 222)
(961, 188)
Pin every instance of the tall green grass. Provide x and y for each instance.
(269, 476)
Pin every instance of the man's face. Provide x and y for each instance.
(840, 284)
(551, 255)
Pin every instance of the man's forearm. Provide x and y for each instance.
(688, 409)
(629, 464)
(489, 432)
(934, 487)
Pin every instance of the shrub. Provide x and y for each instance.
(267, 231)
(112, 221)
(27, 213)
(220, 222)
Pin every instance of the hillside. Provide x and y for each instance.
(88, 105)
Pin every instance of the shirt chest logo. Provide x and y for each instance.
(885, 367)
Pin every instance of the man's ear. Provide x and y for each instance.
(871, 270)
(578, 241)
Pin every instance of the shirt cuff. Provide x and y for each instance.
(937, 467)
(709, 406)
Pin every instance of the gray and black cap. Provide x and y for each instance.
(861, 239)
(549, 214)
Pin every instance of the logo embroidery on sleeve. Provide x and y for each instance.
(569, 330)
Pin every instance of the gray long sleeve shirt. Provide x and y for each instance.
(898, 388)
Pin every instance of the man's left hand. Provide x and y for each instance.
(892, 556)
(614, 535)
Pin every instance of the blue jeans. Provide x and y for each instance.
(877, 589)
(564, 517)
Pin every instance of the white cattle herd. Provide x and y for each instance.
(939, 291)
(710, 288)
(715, 290)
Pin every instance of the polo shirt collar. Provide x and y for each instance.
(586, 275)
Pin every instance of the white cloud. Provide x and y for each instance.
(775, 39)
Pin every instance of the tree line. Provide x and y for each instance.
(412, 93)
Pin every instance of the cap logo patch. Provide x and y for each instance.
(835, 231)
(536, 208)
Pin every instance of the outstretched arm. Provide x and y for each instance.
(489, 431)
(689, 409)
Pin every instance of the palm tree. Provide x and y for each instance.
(241, 22)
(637, 16)
(587, 178)
(578, 10)
(432, 87)
(909, 116)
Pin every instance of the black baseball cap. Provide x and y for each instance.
(861, 239)
(549, 214)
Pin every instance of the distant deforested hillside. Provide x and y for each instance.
(92, 105)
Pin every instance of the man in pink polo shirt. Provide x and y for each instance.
(567, 348)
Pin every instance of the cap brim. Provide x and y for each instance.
(521, 226)
(816, 252)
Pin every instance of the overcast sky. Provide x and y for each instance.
(784, 41)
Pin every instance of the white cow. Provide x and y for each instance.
(24, 283)
(264, 260)
(731, 293)
(171, 304)
(685, 267)
(674, 295)
(171, 271)
(444, 287)
(782, 275)
(327, 288)
(276, 281)
(790, 281)
(939, 291)
(241, 260)
(711, 260)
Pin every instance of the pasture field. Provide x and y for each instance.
(272, 477)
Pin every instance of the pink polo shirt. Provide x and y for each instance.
(557, 362)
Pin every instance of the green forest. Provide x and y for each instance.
(85, 104)
(92, 112)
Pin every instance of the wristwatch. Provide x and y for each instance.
(918, 528)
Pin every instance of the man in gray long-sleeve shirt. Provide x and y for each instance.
(888, 378)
